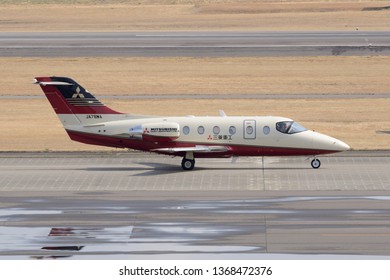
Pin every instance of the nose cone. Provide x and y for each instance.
(327, 143)
(340, 145)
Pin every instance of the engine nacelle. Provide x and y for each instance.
(157, 132)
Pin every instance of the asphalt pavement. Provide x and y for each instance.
(136, 205)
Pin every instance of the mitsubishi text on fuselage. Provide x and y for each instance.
(89, 121)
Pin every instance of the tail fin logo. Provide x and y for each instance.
(78, 98)
(78, 93)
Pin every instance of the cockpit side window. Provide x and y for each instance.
(283, 127)
(289, 127)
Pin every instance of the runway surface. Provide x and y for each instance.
(134, 205)
(196, 44)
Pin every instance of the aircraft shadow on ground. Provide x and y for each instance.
(154, 169)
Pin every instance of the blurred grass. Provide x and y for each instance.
(30, 124)
(186, 75)
(94, 15)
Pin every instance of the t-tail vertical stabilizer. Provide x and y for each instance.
(73, 104)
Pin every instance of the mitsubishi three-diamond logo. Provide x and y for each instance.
(77, 94)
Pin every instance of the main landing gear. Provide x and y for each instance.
(315, 163)
(188, 162)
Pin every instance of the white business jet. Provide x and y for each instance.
(89, 121)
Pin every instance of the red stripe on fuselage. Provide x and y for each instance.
(234, 150)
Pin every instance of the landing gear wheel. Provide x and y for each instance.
(315, 163)
(188, 164)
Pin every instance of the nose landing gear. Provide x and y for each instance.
(315, 163)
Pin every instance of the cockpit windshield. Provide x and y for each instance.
(289, 127)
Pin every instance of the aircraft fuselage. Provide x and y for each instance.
(89, 121)
(241, 136)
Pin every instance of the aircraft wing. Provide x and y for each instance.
(197, 149)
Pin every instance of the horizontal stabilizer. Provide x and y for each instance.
(52, 83)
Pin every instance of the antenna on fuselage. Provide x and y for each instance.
(222, 113)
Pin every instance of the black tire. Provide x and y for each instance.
(315, 163)
(188, 164)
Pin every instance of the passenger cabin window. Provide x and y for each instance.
(266, 130)
(249, 129)
(201, 129)
(186, 130)
(232, 130)
(289, 127)
(216, 130)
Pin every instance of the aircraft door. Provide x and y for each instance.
(249, 129)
